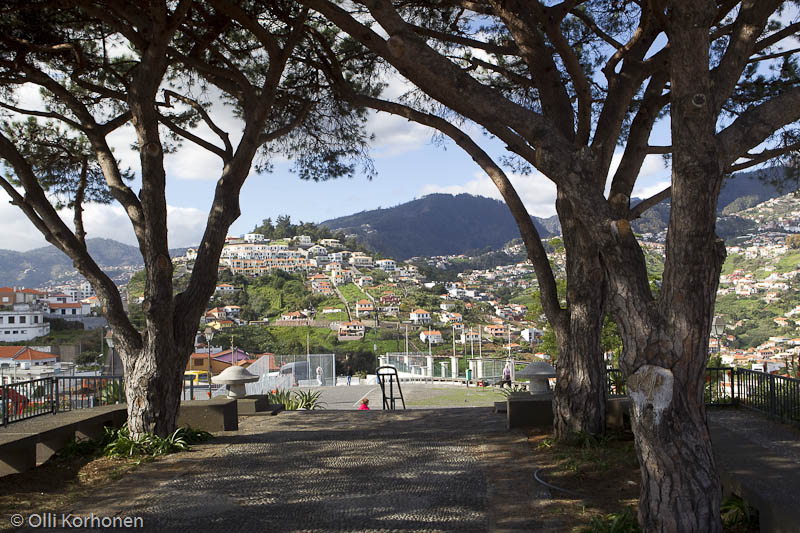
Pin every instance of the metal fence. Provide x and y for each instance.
(27, 399)
(82, 392)
(776, 396)
(50, 395)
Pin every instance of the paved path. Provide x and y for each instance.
(374, 471)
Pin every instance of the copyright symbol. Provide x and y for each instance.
(17, 520)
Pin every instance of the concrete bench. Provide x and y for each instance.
(29, 443)
(216, 414)
(536, 410)
(766, 480)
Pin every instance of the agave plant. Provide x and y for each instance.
(309, 400)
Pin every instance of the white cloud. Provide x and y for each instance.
(395, 135)
(536, 192)
(186, 225)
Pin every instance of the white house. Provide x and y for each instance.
(470, 336)
(387, 265)
(532, 335)
(225, 288)
(19, 356)
(359, 259)
(254, 237)
(420, 316)
(69, 310)
(432, 336)
(364, 307)
(22, 322)
(330, 243)
(303, 240)
(317, 250)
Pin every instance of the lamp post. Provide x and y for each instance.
(110, 342)
(209, 333)
(717, 330)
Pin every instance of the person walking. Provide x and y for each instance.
(506, 376)
(349, 374)
(319, 375)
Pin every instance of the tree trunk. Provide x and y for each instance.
(680, 487)
(579, 397)
(153, 385)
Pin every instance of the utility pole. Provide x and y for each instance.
(454, 340)
(406, 340)
(471, 344)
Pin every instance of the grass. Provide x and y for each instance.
(351, 293)
(453, 396)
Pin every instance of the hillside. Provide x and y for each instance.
(739, 192)
(46, 265)
(437, 224)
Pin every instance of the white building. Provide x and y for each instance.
(359, 259)
(434, 337)
(69, 310)
(254, 237)
(303, 239)
(23, 322)
(387, 265)
(470, 336)
(420, 316)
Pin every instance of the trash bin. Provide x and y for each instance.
(469, 376)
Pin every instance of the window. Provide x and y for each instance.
(74, 311)
(1, 319)
(11, 319)
(22, 319)
(36, 319)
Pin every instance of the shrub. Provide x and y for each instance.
(119, 443)
(624, 522)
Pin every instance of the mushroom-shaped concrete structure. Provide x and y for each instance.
(539, 373)
(235, 377)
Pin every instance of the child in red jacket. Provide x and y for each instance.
(364, 405)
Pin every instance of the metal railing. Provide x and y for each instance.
(776, 396)
(27, 399)
(83, 392)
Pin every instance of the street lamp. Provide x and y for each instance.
(110, 342)
(209, 333)
(718, 330)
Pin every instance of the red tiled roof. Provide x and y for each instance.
(32, 355)
(8, 352)
(70, 305)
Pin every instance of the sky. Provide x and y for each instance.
(409, 165)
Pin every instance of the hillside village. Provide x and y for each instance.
(303, 292)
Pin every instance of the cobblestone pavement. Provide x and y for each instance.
(343, 471)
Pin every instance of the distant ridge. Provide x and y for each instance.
(437, 224)
(37, 267)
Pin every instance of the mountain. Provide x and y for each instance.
(739, 192)
(437, 224)
(48, 265)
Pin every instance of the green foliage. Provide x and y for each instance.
(119, 443)
(622, 522)
(113, 392)
(309, 400)
(507, 391)
(293, 400)
(736, 512)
